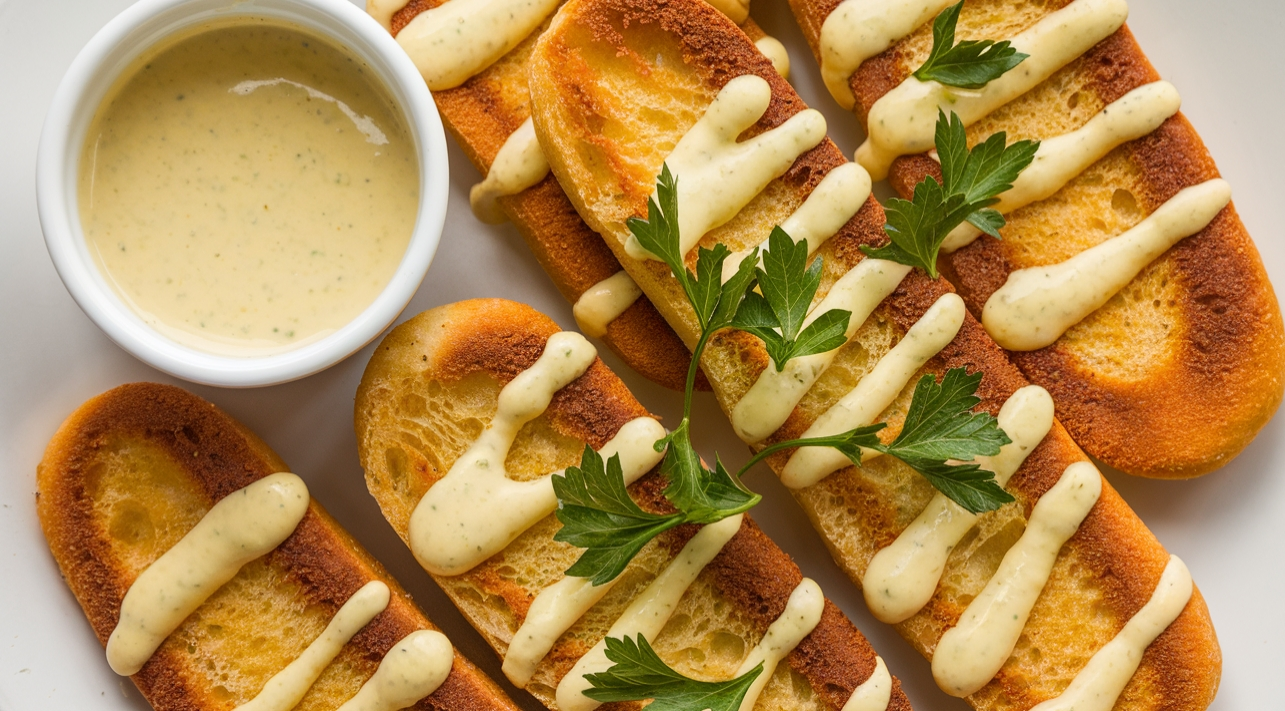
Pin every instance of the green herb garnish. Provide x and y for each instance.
(639, 673)
(971, 64)
(971, 182)
(596, 511)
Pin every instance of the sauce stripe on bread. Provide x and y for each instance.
(428, 394)
(675, 53)
(133, 471)
(1198, 323)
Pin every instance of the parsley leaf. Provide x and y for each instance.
(971, 181)
(597, 514)
(971, 64)
(968, 485)
(777, 316)
(638, 673)
(941, 425)
(713, 301)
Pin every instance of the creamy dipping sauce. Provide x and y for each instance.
(248, 188)
(801, 615)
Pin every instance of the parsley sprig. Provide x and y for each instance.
(971, 64)
(769, 296)
(971, 182)
(638, 673)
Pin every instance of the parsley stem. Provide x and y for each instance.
(691, 372)
(788, 444)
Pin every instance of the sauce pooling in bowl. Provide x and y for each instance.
(248, 188)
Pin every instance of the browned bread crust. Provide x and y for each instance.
(1200, 325)
(450, 359)
(129, 473)
(481, 114)
(1103, 575)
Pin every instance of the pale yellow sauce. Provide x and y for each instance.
(903, 121)
(874, 693)
(903, 576)
(825, 211)
(239, 528)
(1061, 158)
(519, 165)
(717, 176)
(411, 670)
(737, 10)
(553, 611)
(455, 40)
(650, 610)
(603, 303)
(801, 615)
(383, 11)
(857, 30)
(248, 189)
(475, 510)
(1037, 305)
(772, 48)
(769, 402)
(287, 687)
(971, 653)
(1100, 682)
(876, 391)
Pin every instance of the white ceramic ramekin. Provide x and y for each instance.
(82, 89)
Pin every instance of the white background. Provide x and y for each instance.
(1226, 59)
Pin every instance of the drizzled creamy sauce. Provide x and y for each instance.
(411, 670)
(823, 213)
(650, 610)
(903, 576)
(241, 527)
(874, 693)
(519, 165)
(455, 40)
(972, 652)
(248, 188)
(1100, 682)
(475, 510)
(553, 611)
(1061, 158)
(383, 11)
(769, 402)
(801, 615)
(717, 176)
(859, 29)
(876, 391)
(287, 687)
(772, 48)
(737, 10)
(903, 120)
(603, 303)
(1037, 305)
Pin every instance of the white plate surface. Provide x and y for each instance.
(1225, 58)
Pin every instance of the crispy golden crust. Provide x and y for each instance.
(1222, 339)
(216, 456)
(498, 339)
(1105, 573)
(481, 114)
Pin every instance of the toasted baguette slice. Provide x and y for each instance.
(481, 114)
(130, 473)
(428, 392)
(672, 57)
(1201, 324)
